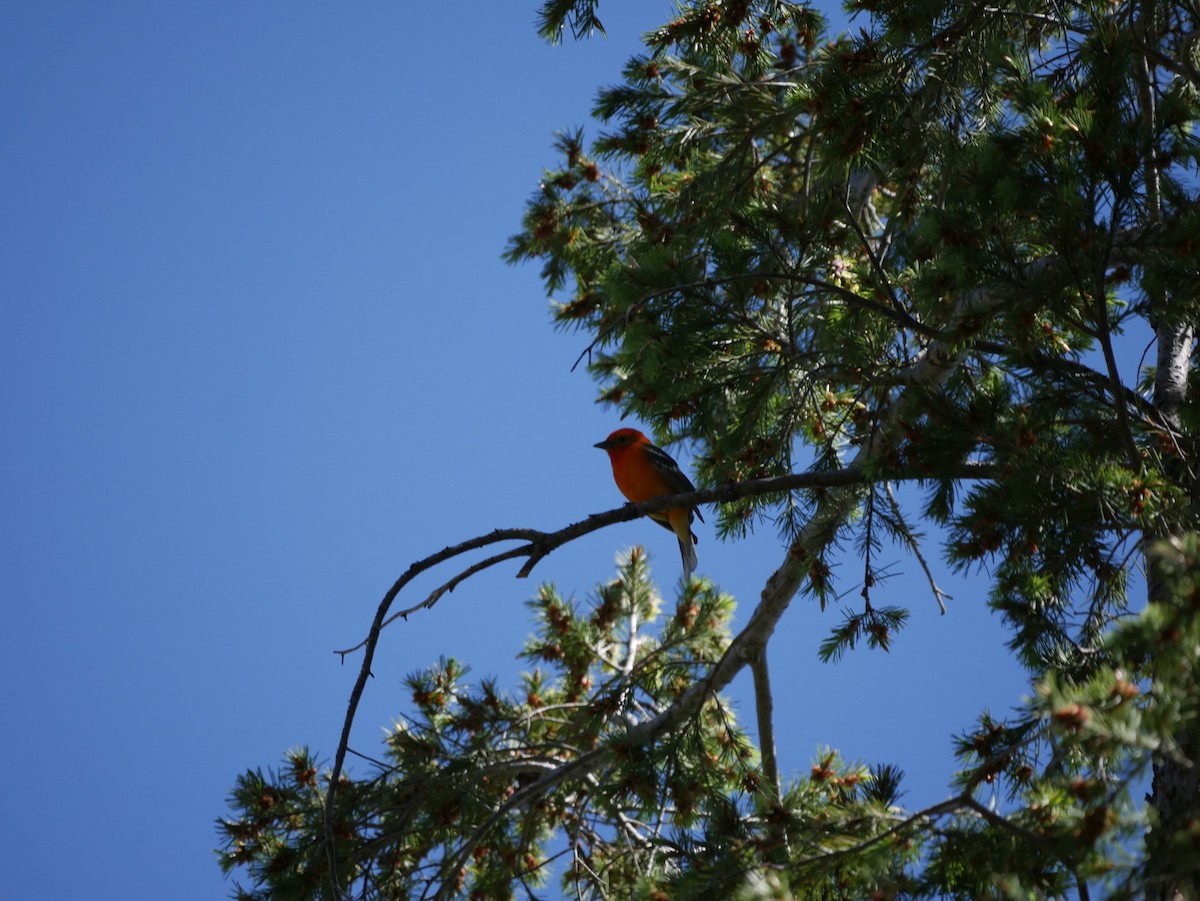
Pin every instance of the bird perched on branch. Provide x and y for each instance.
(643, 471)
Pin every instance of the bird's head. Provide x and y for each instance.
(621, 439)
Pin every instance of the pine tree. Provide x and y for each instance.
(918, 254)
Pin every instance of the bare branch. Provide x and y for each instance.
(541, 544)
(1116, 385)
(764, 709)
(911, 540)
(449, 586)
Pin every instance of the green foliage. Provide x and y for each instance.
(554, 15)
(775, 243)
(427, 816)
(875, 626)
(933, 251)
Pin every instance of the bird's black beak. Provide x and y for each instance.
(603, 445)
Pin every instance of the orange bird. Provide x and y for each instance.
(643, 471)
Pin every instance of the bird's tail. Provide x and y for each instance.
(681, 525)
(688, 552)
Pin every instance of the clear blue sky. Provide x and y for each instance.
(259, 352)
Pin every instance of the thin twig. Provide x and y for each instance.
(876, 263)
(996, 819)
(896, 313)
(915, 547)
(445, 588)
(951, 805)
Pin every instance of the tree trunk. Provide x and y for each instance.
(1173, 868)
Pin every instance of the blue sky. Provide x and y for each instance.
(259, 353)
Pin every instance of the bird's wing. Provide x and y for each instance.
(671, 473)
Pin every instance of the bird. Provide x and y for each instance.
(643, 471)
